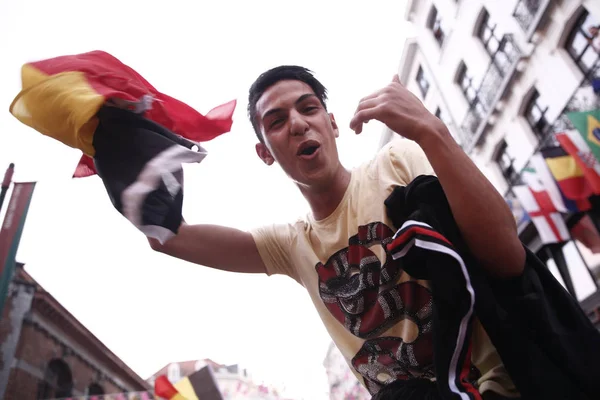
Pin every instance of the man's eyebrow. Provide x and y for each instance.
(299, 100)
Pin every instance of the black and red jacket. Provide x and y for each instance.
(548, 345)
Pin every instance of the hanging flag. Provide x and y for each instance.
(569, 176)
(6, 182)
(61, 96)
(547, 220)
(539, 179)
(586, 232)
(10, 233)
(578, 148)
(164, 389)
(521, 218)
(588, 125)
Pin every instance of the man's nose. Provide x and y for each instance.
(298, 125)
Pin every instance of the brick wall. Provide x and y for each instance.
(35, 350)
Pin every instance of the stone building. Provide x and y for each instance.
(46, 353)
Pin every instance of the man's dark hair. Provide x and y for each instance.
(271, 77)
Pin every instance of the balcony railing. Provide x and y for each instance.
(525, 13)
(492, 88)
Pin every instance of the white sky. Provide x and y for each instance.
(146, 307)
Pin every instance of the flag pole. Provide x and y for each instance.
(6, 183)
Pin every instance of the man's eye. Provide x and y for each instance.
(276, 122)
(309, 109)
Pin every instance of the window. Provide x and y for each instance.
(57, 382)
(435, 24)
(525, 13)
(174, 373)
(505, 163)
(535, 114)
(95, 389)
(583, 43)
(422, 82)
(488, 34)
(199, 365)
(465, 82)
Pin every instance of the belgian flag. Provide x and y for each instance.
(201, 385)
(569, 176)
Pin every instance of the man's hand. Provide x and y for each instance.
(400, 110)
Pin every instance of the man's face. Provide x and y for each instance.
(298, 133)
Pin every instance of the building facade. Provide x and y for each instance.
(503, 75)
(45, 353)
(343, 385)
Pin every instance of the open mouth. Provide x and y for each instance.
(307, 149)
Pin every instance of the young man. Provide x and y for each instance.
(348, 223)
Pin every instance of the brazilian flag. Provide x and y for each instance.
(588, 124)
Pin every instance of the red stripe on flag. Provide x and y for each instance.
(546, 209)
(163, 388)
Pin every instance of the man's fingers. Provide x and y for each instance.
(396, 79)
(373, 95)
(368, 103)
(363, 116)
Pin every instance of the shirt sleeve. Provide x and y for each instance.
(274, 244)
(408, 159)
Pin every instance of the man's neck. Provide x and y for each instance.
(324, 200)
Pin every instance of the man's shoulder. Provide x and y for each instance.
(396, 152)
(283, 229)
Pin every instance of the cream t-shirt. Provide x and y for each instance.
(380, 319)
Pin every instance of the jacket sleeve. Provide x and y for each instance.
(552, 318)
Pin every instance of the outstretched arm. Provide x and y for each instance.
(481, 213)
(214, 246)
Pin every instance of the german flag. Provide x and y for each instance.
(61, 96)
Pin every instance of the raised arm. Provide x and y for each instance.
(214, 246)
(481, 213)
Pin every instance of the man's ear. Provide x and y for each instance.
(264, 154)
(334, 125)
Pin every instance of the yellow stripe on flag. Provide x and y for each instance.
(61, 106)
(592, 123)
(564, 168)
(184, 386)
